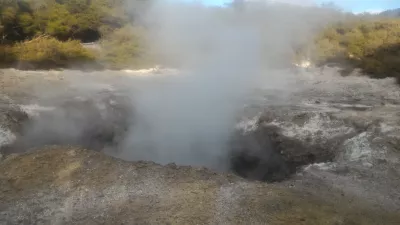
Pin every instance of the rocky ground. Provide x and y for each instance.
(343, 130)
(329, 150)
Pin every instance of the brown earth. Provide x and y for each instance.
(67, 185)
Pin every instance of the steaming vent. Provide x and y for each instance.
(104, 122)
(188, 119)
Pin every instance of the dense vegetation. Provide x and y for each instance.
(45, 33)
(48, 33)
(372, 44)
(45, 52)
(84, 20)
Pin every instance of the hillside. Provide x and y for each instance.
(46, 33)
(372, 44)
(391, 13)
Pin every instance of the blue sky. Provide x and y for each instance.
(366, 5)
(356, 6)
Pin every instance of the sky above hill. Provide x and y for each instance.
(356, 6)
(373, 6)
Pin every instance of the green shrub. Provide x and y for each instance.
(372, 45)
(45, 52)
(125, 48)
(7, 55)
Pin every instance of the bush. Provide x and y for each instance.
(383, 62)
(125, 48)
(372, 45)
(64, 19)
(7, 56)
(48, 52)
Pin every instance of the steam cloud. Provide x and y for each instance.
(189, 118)
(222, 54)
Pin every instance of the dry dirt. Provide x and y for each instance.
(66, 185)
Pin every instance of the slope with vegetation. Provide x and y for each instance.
(369, 43)
(391, 13)
(47, 33)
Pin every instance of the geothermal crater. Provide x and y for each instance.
(102, 116)
(102, 120)
(273, 139)
(336, 137)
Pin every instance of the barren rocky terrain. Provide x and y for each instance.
(317, 148)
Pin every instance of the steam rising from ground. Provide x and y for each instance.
(188, 119)
(222, 55)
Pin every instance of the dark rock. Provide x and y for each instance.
(12, 117)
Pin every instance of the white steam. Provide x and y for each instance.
(222, 54)
(189, 118)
